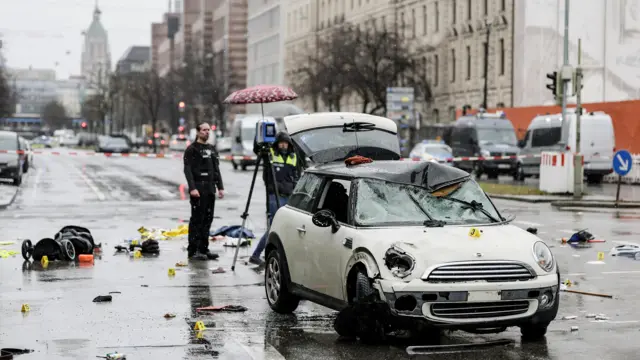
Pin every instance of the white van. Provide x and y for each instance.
(243, 133)
(597, 142)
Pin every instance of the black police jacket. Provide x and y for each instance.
(201, 164)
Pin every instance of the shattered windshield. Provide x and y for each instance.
(380, 203)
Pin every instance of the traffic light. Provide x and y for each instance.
(181, 105)
(552, 86)
(181, 129)
(84, 125)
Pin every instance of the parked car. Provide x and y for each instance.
(69, 141)
(28, 159)
(109, 144)
(413, 245)
(42, 141)
(178, 142)
(432, 150)
(11, 162)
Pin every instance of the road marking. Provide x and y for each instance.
(528, 223)
(91, 185)
(37, 183)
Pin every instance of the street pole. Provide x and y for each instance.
(565, 84)
(486, 67)
(577, 166)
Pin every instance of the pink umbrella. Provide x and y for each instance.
(261, 94)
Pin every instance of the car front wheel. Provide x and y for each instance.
(276, 287)
(533, 332)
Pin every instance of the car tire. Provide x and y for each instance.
(244, 167)
(519, 174)
(235, 166)
(276, 285)
(370, 330)
(18, 180)
(25, 167)
(534, 332)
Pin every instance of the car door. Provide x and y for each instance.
(297, 215)
(331, 250)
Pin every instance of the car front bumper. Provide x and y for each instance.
(473, 304)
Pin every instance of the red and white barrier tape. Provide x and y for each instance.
(477, 158)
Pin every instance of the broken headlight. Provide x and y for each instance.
(399, 262)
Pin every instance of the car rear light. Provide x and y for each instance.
(149, 142)
(568, 148)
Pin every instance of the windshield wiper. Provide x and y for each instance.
(473, 205)
(433, 223)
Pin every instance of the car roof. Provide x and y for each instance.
(302, 122)
(430, 175)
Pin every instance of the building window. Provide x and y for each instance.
(486, 7)
(453, 65)
(437, 14)
(468, 9)
(468, 62)
(413, 23)
(424, 20)
(402, 24)
(502, 57)
(436, 70)
(503, 5)
(454, 5)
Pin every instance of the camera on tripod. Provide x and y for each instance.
(265, 132)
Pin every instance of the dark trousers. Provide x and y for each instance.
(202, 209)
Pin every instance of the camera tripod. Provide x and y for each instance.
(263, 155)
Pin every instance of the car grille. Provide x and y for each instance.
(471, 310)
(499, 153)
(480, 271)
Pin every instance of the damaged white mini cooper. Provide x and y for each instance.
(396, 245)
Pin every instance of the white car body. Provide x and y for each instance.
(456, 281)
(629, 250)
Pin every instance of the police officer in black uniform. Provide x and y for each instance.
(201, 168)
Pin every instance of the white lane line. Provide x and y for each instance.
(91, 184)
(528, 223)
(36, 183)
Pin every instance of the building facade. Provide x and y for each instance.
(266, 29)
(610, 34)
(36, 88)
(447, 37)
(96, 56)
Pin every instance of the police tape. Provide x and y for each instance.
(254, 158)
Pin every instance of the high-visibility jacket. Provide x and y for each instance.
(286, 172)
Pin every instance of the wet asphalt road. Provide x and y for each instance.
(115, 196)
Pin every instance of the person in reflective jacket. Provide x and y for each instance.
(202, 171)
(287, 166)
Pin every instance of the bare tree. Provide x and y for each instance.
(8, 95)
(215, 86)
(382, 59)
(103, 87)
(55, 115)
(150, 91)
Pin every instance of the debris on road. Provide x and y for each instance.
(115, 292)
(181, 264)
(113, 356)
(231, 242)
(532, 230)
(103, 298)
(574, 328)
(169, 316)
(587, 293)
(224, 308)
(448, 348)
(601, 317)
(234, 231)
(6, 253)
(219, 270)
(569, 317)
(3, 243)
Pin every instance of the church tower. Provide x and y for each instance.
(96, 57)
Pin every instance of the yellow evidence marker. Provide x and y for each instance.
(199, 326)
(474, 232)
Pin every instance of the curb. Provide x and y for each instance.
(13, 198)
(521, 199)
(596, 204)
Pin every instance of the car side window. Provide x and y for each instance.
(306, 192)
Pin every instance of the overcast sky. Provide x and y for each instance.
(39, 33)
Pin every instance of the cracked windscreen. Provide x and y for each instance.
(381, 203)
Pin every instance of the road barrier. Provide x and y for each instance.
(556, 172)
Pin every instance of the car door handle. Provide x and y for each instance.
(302, 229)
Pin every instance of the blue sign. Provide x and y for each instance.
(181, 121)
(622, 162)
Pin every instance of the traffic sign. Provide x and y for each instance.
(622, 162)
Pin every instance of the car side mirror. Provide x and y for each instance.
(326, 218)
(521, 143)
